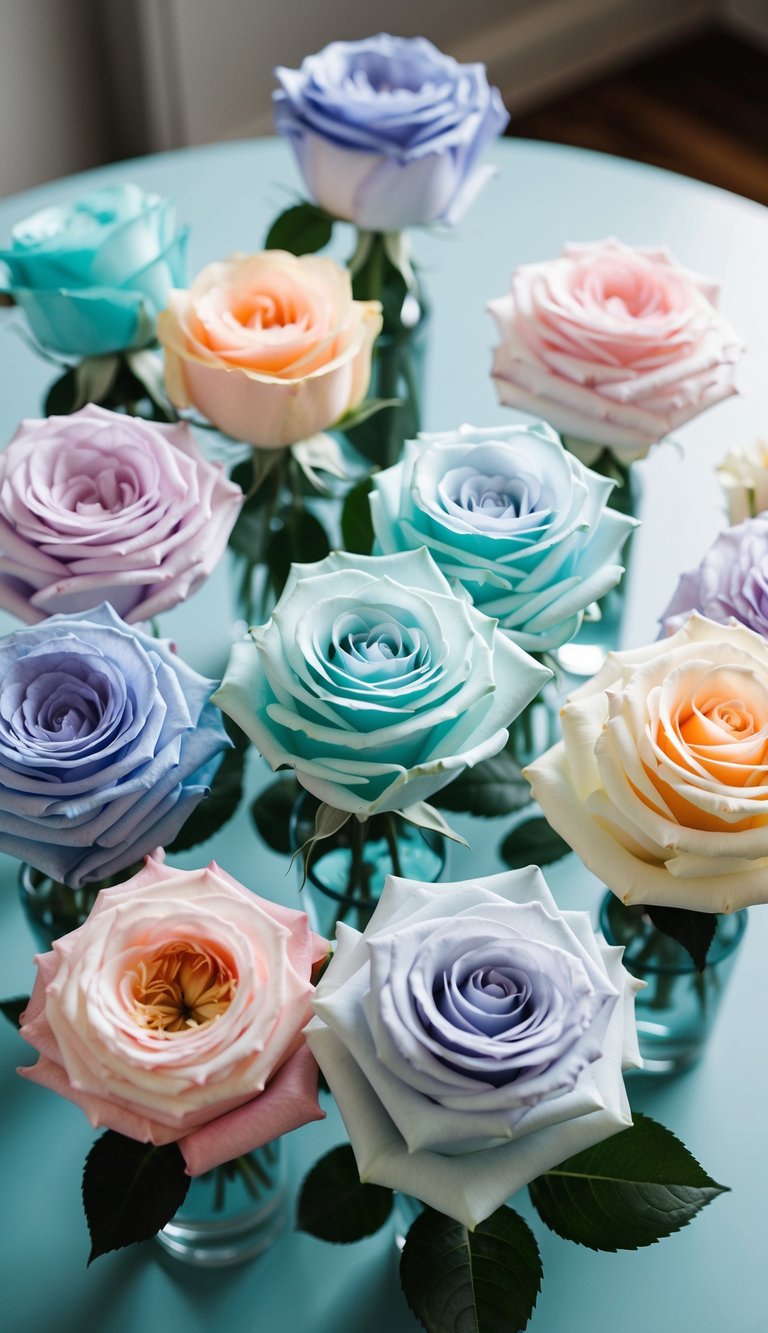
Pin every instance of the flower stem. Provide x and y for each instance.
(390, 833)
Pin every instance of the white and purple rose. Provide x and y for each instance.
(518, 521)
(473, 1037)
(99, 506)
(388, 131)
(108, 741)
(731, 582)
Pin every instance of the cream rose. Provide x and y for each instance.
(175, 1014)
(743, 476)
(614, 346)
(270, 347)
(660, 783)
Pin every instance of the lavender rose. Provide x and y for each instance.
(100, 506)
(473, 1037)
(731, 583)
(388, 131)
(107, 743)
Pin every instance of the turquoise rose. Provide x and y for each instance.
(93, 274)
(375, 682)
(518, 521)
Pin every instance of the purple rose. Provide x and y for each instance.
(731, 583)
(107, 743)
(473, 1037)
(99, 506)
(388, 131)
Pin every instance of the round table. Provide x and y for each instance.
(711, 1276)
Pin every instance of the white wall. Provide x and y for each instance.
(52, 117)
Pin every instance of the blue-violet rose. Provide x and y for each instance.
(376, 682)
(108, 740)
(731, 583)
(511, 515)
(473, 1037)
(92, 274)
(388, 131)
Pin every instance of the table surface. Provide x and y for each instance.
(711, 1277)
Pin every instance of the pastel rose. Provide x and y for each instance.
(473, 1037)
(614, 346)
(174, 1014)
(660, 783)
(99, 506)
(375, 682)
(731, 582)
(269, 347)
(743, 475)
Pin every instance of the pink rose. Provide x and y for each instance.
(614, 346)
(99, 506)
(175, 1014)
(270, 347)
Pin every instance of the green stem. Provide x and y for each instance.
(390, 833)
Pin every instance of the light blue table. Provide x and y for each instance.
(711, 1277)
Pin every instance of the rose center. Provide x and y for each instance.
(181, 986)
(731, 716)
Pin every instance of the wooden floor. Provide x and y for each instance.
(700, 108)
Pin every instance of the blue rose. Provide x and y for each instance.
(92, 275)
(376, 682)
(388, 132)
(518, 521)
(107, 743)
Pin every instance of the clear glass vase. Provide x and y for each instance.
(346, 872)
(231, 1214)
(676, 1011)
(54, 909)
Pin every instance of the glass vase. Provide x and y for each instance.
(676, 1011)
(346, 872)
(53, 908)
(230, 1214)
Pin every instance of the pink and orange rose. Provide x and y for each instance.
(175, 1014)
(270, 347)
(614, 346)
(660, 783)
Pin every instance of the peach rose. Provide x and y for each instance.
(613, 346)
(175, 1014)
(660, 783)
(271, 348)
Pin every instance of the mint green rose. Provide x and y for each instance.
(376, 682)
(92, 275)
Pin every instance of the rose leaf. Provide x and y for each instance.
(216, 809)
(335, 1205)
(481, 1281)
(533, 843)
(626, 1192)
(493, 787)
(356, 525)
(271, 813)
(130, 1190)
(14, 1008)
(302, 230)
(694, 930)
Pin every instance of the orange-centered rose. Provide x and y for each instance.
(661, 780)
(270, 347)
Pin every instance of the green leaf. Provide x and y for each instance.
(130, 1190)
(305, 540)
(271, 813)
(63, 396)
(356, 525)
(494, 787)
(626, 1192)
(694, 930)
(147, 367)
(334, 1205)
(302, 229)
(532, 843)
(364, 411)
(481, 1281)
(215, 810)
(14, 1008)
(90, 381)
